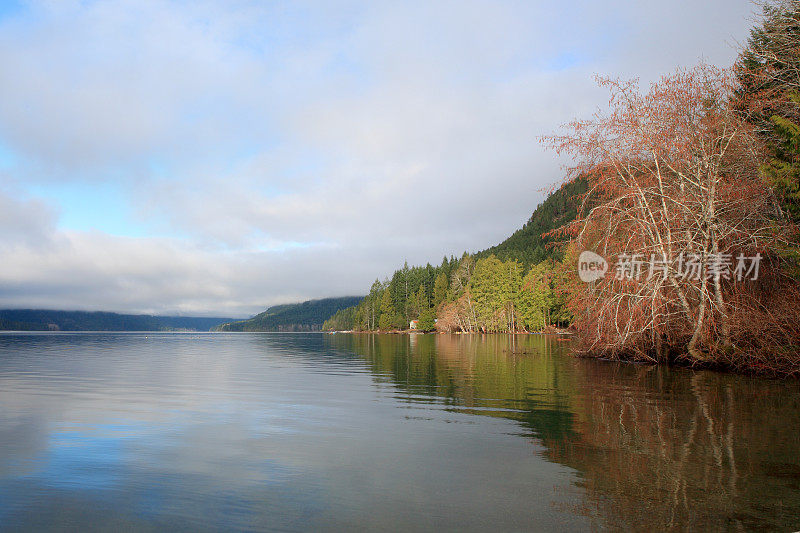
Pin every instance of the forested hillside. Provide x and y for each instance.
(531, 244)
(306, 316)
(510, 287)
(47, 320)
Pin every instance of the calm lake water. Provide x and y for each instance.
(108, 431)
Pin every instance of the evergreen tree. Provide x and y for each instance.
(484, 289)
(783, 170)
(372, 304)
(387, 319)
(440, 287)
(770, 97)
(419, 302)
(427, 319)
(535, 298)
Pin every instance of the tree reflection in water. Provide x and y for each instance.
(653, 448)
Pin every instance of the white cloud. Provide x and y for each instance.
(25, 222)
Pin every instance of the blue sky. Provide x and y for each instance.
(9, 8)
(90, 207)
(218, 157)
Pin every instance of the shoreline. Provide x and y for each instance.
(677, 362)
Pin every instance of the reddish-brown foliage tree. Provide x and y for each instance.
(675, 191)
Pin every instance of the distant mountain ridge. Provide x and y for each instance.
(50, 320)
(305, 316)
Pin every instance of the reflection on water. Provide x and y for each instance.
(307, 431)
(654, 448)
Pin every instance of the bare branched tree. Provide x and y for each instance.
(675, 190)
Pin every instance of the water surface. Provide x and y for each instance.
(382, 432)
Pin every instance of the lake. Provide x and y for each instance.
(290, 432)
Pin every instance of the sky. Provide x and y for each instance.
(213, 158)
